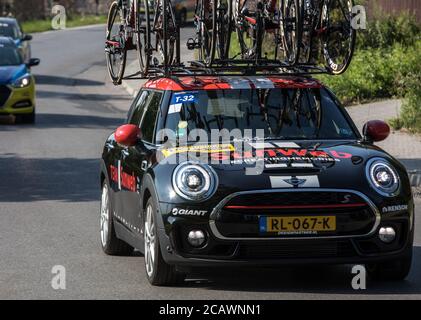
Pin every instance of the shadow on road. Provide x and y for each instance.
(63, 121)
(78, 96)
(303, 279)
(48, 120)
(66, 179)
(65, 81)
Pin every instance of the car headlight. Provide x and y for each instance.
(23, 82)
(195, 182)
(382, 177)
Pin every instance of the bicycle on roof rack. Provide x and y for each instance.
(148, 26)
(311, 27)
(301, 32)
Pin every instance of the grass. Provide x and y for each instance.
(74, 21)
(376, 74)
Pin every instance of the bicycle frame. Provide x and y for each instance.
(257, 24)
(162, 8)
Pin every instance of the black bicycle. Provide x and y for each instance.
(148, 26)
(213, 30)
(253, 21)
(314, 27)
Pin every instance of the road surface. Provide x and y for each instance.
(49, 200)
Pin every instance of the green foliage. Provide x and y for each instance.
(411, 108)
(387, 63)
(376, 74)
(388, 30)
(73, 21)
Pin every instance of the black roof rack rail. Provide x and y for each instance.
(231, 68)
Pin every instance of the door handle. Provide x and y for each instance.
(125, 153)
(144, 165)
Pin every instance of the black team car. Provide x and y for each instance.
(310, 189)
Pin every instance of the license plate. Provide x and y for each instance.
(300, 224)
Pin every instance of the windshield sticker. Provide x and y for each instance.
(175, 108)
(182, 128)
(183, 124)
(217, 148)
(184, 98)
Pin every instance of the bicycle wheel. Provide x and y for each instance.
(310, 22)
(115, 46)
(338, 39)
(206, 24)
(291, 12)
(142, 23)
(222, 16)
(250, 30)
(163, 36)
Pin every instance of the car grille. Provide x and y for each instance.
(297, 249)
(295, 198)
(4, 95)
(239, 217)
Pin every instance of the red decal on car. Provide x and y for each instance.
(341, 155)
(128, 181)
(114, 173)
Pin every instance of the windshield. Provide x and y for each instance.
(9, 56)
(281, 113)
(8, 30)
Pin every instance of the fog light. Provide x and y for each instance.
(387, 234)
(196, 238)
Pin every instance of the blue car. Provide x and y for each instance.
(10, 27)
(17, 84)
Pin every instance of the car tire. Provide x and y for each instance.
(394, 270)
(110, 244)
(27, 118)
(158, 272)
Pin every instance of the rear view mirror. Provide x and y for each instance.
(376, 130)
(127, 135)
(34, 62)
(27, 37)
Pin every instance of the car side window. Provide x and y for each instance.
(149, 117)
(138, 108)
(20, 30)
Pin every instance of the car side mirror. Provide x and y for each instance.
(27, 37)
(127, 135)
(33, 62)
(376, 130)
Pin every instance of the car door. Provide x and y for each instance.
(135, 160)
(120, 152)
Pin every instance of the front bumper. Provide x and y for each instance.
(238, 247)
(17, 100)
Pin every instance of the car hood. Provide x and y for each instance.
(8, 74)
(305, 164)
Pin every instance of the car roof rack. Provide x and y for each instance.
(231, 68)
